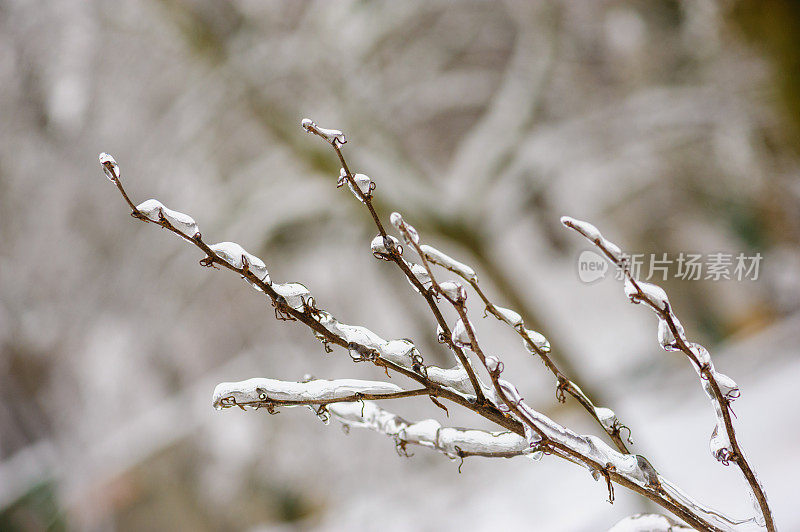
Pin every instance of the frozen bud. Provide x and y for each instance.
(585, 228)
(606, 416)
(649, 292)
(702, 354)
(155, 211)
(460, 335)
(720, 446)
(421, 274)
(509, 316)
(655, 295)
(110, 166)
(383, 246)
(364, 184)
(453, 291)
(296, 295)
(510, 392)
(532, 437)
(727, 386)
(398, 351)
(409, 233)
(230, 252)
(538, 340)
(493, 364)
(666, 339)
(334, 136)
(396, 219)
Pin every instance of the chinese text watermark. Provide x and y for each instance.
(593, 266)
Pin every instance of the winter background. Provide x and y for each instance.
(673, 126)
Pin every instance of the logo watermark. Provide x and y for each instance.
(593, 266)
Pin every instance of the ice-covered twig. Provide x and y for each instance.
(453, 442)
(500, 403)
(390, 251)
(293, 301)
(261, 392)
(534, 342)
(541, 433)
(720, 388)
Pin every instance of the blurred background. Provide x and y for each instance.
(673, 126)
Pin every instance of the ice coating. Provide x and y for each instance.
(606, 416)
(110, 166)
(509, 316)
(449, 263)
(493, 363)
(538, 339)
(398, 351)
(238, 257)
(702, 354)
(595, 236)
(585, 228)
(360, 335)
(421, 274)
(655, 295)
(648, 523)
(379, 246)
(334, 136)
(665, 337)
(363, 182)
(720, 445)
(456, 378)
(651, 293)
(154, 210)
(409, 233)
(460, 335)
(589, 446)
(712, 516)
(257, 390)
(429, 433)
(453, 290)
(297, 296)
(727, 387)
